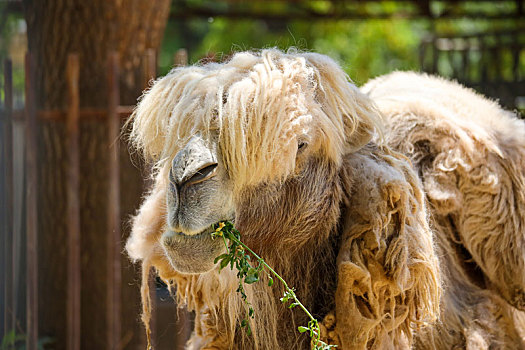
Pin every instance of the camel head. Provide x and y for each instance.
(200, 193)
(259, 140)
(286, 147)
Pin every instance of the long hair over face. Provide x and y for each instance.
(260, 105)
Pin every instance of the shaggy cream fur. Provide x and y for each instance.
(350, 212)
(260, 106)
(470, 155)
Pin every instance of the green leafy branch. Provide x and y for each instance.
(17, 341)
(238, 255)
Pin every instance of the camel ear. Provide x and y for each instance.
(344, 103)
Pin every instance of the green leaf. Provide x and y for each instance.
(270, 281)
(11, 339)
(8, 339)
(292, 305)
(224, 262)
(302, 329)
(220, 257)
(244, 323)
(251, 279)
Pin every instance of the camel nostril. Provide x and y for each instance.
(202, 174)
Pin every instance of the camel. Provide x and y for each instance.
(397, 211)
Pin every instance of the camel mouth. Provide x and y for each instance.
(182, 235)
(192, 253)
(203, 234)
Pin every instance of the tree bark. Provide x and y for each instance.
(92, 29)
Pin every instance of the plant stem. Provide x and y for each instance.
(236, 253)
(290, 290)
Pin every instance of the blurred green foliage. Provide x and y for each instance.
(11, 27)
(364, 48)
(17, 341)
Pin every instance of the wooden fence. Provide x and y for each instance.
(491, 62)
(73, 115)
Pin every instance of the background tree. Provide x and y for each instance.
(92, 29)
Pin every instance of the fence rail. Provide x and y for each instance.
(490, 62)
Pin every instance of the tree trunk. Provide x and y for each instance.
(92, 29)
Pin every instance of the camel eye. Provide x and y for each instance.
(301, 146)
(203, 174)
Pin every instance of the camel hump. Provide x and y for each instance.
(470, 155)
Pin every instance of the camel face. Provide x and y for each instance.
(198, 195)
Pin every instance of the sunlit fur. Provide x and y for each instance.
(345, 221)
(470, 155)
(261, 105)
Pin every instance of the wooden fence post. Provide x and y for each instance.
(73, 206)
(435, 56)
(31, 208)
(9, 252)
(114, 235)
(149, 71)
(149, 68)
(180, 59)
